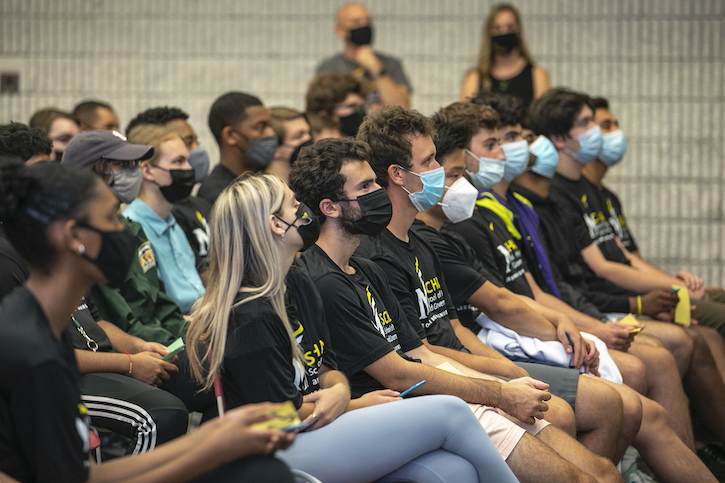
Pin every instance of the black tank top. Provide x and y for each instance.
(521, 86)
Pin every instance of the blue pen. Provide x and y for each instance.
(571, 343)
(411, 388)
(674, 291)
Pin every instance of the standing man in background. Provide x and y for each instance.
(383, 75)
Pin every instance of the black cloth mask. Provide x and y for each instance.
(182, 182)
(349, 125)
(503, 44)
(362, 35)
(376, 212)
(116, 254)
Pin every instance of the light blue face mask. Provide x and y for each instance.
(614, 145)
(517, 159)
(199, 160)
(590, 142)
(490, 172)
(547, 157)
(434, 182)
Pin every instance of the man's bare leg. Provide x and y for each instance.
(665, 453)
(675, 340)
(705, 387)
(599, 418)
(717, 347)
(533, 461)
(572, 451)
(665, 387)
(633, 370)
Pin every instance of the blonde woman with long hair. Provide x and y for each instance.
(504, 62)
(264, 324)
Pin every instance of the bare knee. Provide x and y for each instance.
(561, 415)
(634, 372)
(632, 413)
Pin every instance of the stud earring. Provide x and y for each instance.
(283, 236)
(81, 249)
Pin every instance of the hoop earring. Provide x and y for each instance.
(81, 249)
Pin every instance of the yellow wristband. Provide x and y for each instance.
(639, 305)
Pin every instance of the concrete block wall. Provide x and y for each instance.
(660, 62)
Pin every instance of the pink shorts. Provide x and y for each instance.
(504, 430)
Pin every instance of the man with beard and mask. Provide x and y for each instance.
(241, 126)
(373, 339)
(31, 144)
(167, 178)
(140, 306)
(382, 75)
(339, 98)
(192, 213)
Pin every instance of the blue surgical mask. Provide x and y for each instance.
(490, 172)
(547, 157)
(261, 150)
(590, 142)
(199, 160)
(614, 145)
(517, 158)
(434, 182)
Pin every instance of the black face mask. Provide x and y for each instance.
(309, 232)
(362, 35)
(296, 152)
(350, 124)
(503, 44)
(116, 254)
(182, 182)
(376, 209)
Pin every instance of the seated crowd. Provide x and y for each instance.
(330, 261)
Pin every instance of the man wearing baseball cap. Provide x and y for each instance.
(140, 307)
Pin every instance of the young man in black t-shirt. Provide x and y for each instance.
(709, 308)
(330, 177)
(240, 125)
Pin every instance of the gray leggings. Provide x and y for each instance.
(428, 439)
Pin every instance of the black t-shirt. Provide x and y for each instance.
(463, 272)
(43, 433)
(219, 178)
(192, 215)
(258, 363)
(496, 248)
(572, 286)
(582, 213)
(13, 269)
(362, 314)
(87, 315)
(618, 220)
(417, 281)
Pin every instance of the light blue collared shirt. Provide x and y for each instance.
(174, 257)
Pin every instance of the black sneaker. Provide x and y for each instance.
(714, 458)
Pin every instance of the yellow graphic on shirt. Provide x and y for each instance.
(146, 257)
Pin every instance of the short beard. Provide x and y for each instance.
(346, 220)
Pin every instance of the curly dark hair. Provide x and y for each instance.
(21, 140)
(386, 131)
(329, 89)
(457, 123)
(158, 116)
(510, 108)
(553, 114)
(33, 197)
(316, 173)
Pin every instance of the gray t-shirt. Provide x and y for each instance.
(393, 67)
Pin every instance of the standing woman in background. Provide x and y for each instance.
(504, 62)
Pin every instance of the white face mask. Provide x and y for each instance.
(459, 201)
